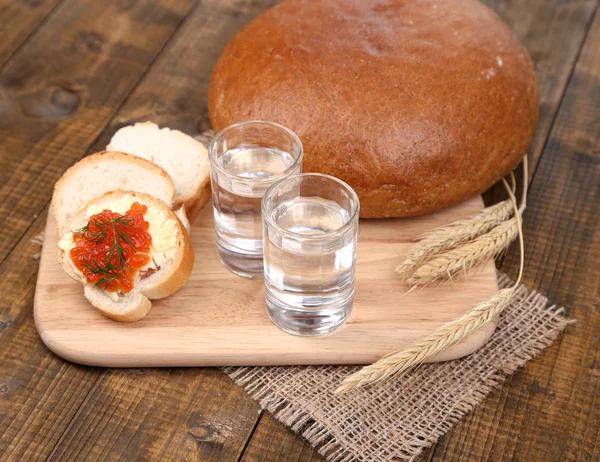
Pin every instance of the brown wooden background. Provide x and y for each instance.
(74, 71)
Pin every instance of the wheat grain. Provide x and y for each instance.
(448, 237)
(465, 256)
(440, 339)
(487, 218)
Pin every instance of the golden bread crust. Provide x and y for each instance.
(418, 105)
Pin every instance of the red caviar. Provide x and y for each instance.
(112, 248)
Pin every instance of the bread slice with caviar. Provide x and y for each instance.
(126, 248)
(180, 155)
(107, 171)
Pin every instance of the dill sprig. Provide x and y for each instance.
(118, 236)
(110, 269)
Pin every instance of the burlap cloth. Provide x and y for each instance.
(398, 419)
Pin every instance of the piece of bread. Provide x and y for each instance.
(102, 172)
(180, 212)
(182, 157)
(171, 252)
(417, 105)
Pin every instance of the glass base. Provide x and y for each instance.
(249, 265)
(309, 322)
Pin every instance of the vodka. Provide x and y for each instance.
(245, 174)
(310, 256)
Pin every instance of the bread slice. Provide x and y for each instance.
(184, 158)
(107, 171)
(171, 252)
(180, 212)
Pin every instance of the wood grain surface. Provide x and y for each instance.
(19, 21)
(58, 98)
(219, 319)
(550, 411)
(53, 410)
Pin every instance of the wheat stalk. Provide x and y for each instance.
(463, 257)
(461, 253)
(426, 347)
(448, 237)
(453, 332)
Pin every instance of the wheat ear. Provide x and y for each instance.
(449, 236)
(490, 216)
(444, 265)
(440, 339)
(465, 256)
(450, 333)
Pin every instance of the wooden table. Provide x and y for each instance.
(73, 71)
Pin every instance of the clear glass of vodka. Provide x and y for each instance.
(245, 160)
(310, 235)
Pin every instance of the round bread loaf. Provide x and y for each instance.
(416, 104)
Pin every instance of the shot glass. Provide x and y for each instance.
(310, 235)
(245, 160)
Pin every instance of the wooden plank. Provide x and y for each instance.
(160, 414)
(277, 443)
(553, 32)
(41, 124)
(39, 392)
(19, 20)
(212, 420)
(185, 69)
(8, 322)
(549, 410)
(62, 87)
(219, 319)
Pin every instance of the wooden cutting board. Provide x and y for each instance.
(219, 319)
